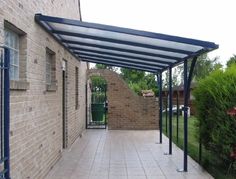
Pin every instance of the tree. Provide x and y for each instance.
(176, 77)
(231, 61)
(139, 80)
(151, 82)
(214, 96)
(165, 79)
(133, 76)
(101, 66)
(203, 67)
(98, 83)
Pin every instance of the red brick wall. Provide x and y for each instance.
(127, 110)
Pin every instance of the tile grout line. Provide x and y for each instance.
(139, 159)
(123, 147)
(83, 150)
(158, 163)
(95, 155)
(109, 138)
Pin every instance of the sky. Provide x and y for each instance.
(209, 20)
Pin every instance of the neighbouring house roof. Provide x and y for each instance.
(181, 87)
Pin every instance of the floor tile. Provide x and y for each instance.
(125, 154)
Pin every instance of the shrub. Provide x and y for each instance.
(213, 97)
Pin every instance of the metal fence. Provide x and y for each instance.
(4, 112)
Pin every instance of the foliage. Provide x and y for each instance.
(101, 66)
(151, 82)
(213, 97)
(176, 76)
(231, 61)
(98, 97)
(203, 67)
(139, 80)
(133, 76)
(99, 85)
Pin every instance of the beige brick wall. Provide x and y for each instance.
(127, 110)
(36, 114)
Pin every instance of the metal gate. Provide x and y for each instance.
(4, 113)
(97, 118)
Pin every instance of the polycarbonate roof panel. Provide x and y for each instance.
(122, 36)
(78, 48)
(122, 47)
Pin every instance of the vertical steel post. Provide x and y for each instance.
(166, 114)
(160, 105)
(106, 110)
(187, 83)
(86, 107)
(1, 101)
(170, 110)
(185, 116)
(177, 117)
(7, 112)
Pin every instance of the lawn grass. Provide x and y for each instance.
(217, 170)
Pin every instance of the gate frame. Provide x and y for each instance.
(87, 110)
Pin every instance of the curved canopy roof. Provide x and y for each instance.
(122, 47)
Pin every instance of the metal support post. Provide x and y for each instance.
(177, 117)
(106, 106)
(185, 116)
(187, 82)
(166, 114)
(7, 113)
(160, 105)
(86, 107)
(170, 111)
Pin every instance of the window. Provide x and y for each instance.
(76, 87)
(15, 39)
(50, 73)
(12, 42)
(48, 67)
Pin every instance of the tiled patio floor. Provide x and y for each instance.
(103, 154)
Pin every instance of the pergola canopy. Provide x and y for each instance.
(122, 47)
(134, 49)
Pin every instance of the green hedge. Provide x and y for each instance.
(213, 97)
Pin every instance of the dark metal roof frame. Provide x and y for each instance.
(125, 30)
(140, 54)
(93, 60)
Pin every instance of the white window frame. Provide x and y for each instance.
(12, 41)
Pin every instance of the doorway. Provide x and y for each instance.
(64, 104)
(98, 103)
